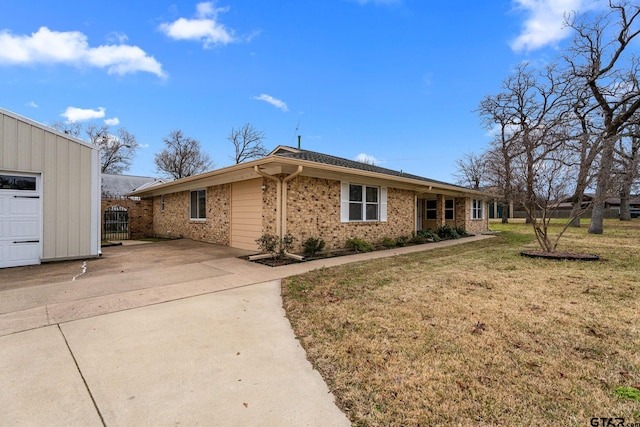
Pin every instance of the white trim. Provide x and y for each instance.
(96, 214)
(474, 209)
(344, 201)
(198, 219)
(383, 204)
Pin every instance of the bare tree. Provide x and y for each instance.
(182, 157)
(116, 150)
(596, 60)
(471, 170)
(584, 142)
(627, 167)
(531, 114)
(73, 129)
(247, 142)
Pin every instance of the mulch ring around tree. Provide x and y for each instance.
(560, 255)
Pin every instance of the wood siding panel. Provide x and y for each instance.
(246, 213)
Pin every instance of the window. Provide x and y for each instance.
(431, 211)
(363, 203)
(162, 203)
(23, 183)
(199, 204)
(477, 209)
(449, 209)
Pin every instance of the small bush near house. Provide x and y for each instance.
(312, 246)
(429, 235)
(359, 245)
(448, 232)
(402, 241)
(462, 232)
(274, 245)
(389, 243)
(418, 239)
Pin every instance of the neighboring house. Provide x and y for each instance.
(49, 194)
(308, 194)
(126, 217)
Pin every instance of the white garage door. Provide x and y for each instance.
(20, 220)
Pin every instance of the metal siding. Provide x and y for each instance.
(70, 180)
(9, 144)
(50, 196)
(23, 138)
(246, 213)
(73, 200)
(62, 201)
(37, 149)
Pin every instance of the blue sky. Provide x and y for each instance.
(392, 80)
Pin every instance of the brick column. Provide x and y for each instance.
(440, 220)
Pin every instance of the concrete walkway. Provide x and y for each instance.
(201, 343)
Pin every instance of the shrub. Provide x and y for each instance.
(429, 235)
(359, 245)
(388, 243)
(462, 232)
(274, 245)
(402, 241)
(312, 246)
(447, 232)
(418, 239)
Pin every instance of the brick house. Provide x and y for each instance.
(308, 194)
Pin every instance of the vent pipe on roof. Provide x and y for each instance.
(299, 138)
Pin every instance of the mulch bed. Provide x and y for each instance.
(560, 255)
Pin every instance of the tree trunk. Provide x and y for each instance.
(625, 210)
(505, 212)
(602, 186)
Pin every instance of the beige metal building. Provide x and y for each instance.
(49, 194)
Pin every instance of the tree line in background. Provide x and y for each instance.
(181, 157)
(567, 127)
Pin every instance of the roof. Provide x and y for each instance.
(312, 156)
(284, 160)
(119, 185)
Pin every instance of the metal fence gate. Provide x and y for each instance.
(116, 224)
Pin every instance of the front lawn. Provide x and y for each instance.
(476, 334)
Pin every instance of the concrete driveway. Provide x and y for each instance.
(102, 350)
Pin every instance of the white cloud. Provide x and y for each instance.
(545, 23)
(366, 158)
(204, 28)
(273, 101)
(71, 47)
(112, 122)
(73, 114)
(32, 104)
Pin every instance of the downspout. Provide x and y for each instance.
(281, 198)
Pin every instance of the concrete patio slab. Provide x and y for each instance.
(223, 359)
(40, 383)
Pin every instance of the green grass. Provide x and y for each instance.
(476, 333)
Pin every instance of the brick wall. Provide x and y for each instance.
(175, 220)
(313, 210)
(140, 215)
(476, 226)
